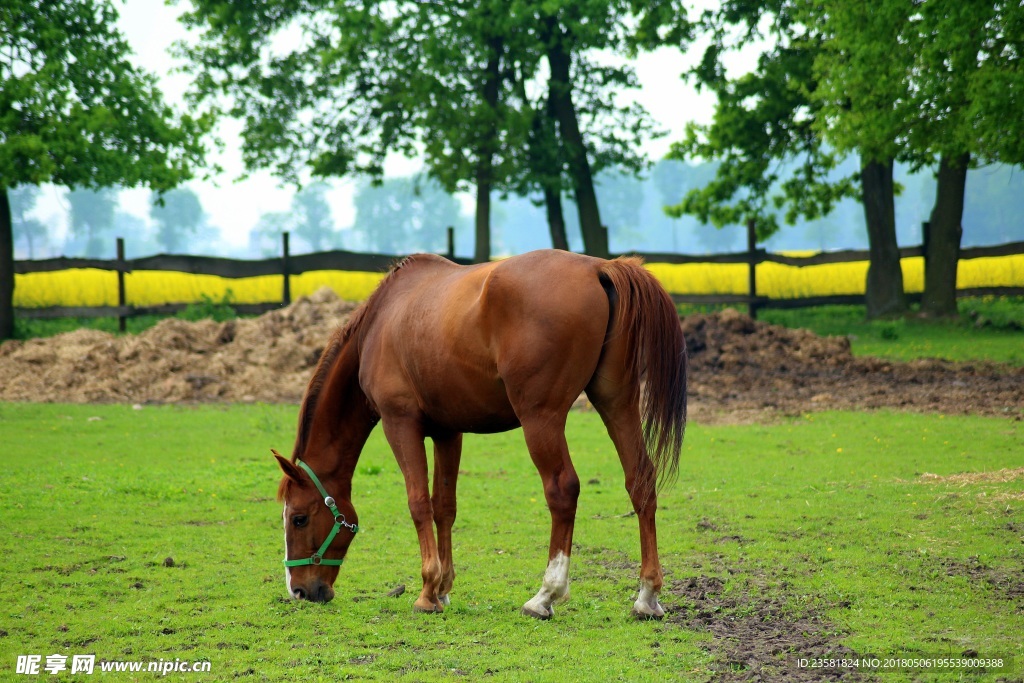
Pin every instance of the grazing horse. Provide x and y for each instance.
(439, 350)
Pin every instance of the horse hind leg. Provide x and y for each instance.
(447, 455)
(618, 406)
(545, 438)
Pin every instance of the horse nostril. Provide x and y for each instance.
(323, 594)
(299, 594)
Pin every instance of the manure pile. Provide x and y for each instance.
(268, 359)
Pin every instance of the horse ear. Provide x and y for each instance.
(288, 467)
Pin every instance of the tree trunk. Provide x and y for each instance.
(556, 219)
(485, 162)
(595, 238)
(944, 237)
(482, 247)
(6, 267)
(552, 189)
(884, 293)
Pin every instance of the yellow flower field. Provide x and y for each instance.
(88, 287)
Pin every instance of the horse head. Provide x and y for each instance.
(318, 530)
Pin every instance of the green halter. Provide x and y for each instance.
(339, 521)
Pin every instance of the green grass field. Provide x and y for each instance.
(822, 524)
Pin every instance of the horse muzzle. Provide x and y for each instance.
(317, 591)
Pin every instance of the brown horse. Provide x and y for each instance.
(439, 350)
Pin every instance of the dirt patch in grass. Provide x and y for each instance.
(1008, 584)
(742, 370)
(754, 637)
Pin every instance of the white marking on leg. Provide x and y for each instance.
(646, 604)
(287, 570)
(554, 589)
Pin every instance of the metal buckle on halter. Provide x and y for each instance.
(315, 559)
(329, 502)
(340, 520)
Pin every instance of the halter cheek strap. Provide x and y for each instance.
(339, 521)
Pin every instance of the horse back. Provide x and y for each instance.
(469, 347)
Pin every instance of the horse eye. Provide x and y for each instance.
(299, 520)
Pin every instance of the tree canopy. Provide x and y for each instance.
(461, 82)
(762, 133)
(75, 111)
(913, 82)
(886, 81)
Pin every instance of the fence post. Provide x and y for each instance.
(121, 299)
(287, 293)
(752, 267)
(451, 243)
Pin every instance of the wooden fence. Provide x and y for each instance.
(285, 265)
(753, 256)
(288, 264)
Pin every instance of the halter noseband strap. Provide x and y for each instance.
(339, 521)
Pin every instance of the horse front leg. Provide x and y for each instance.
(406, 439)
(546, 442)
(447, 455)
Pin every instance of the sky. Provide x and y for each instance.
(235, 205)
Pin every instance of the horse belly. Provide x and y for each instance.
(467, 401)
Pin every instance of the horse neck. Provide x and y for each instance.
(342, 422)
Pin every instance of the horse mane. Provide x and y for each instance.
(360, 317)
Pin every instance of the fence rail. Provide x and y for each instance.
(288, 264)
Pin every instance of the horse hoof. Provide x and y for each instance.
(427, 609)
(539, 610)
(647, 616)
(538, 614)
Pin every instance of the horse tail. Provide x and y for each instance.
(656, 349)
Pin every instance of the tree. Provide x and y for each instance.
(74, 111)
(29, 230)
(92, 218)
(313, 221)
(914, 81)
(447, 79)
(569, 31)
(622, 195)
(367, 79)
(265, 237)
(768, 118)
(403, 215)
(309, 219)
(178, 215)
(612, 135)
